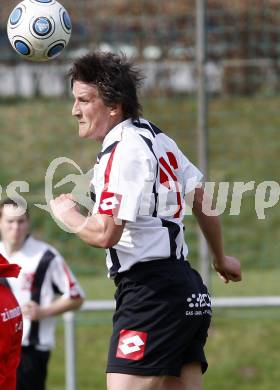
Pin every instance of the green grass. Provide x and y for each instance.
(244, 145)
(242, 353)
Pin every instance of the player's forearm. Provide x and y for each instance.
(95, 232)
(60, 306)
(99, 231)
(210, 226)
(92, 229)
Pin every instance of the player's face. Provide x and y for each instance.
(14, 226)
(94, 117)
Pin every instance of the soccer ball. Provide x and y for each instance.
(39, 29)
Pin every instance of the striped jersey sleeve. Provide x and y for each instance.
(125, 176)
(63, 280)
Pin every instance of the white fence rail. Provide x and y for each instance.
(69, 324)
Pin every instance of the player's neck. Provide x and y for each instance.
(12, 248)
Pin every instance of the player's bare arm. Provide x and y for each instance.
(35, 312)
(227, 267)
(97, 230)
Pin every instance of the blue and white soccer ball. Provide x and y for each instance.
(39, 30)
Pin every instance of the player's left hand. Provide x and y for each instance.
(33, 311)
(228, 269)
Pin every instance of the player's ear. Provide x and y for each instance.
(116, 110)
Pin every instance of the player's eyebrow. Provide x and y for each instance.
(85, 95)
(82, 97)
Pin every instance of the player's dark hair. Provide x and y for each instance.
(15, 203)
(114, 76)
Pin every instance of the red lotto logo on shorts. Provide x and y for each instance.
(131, 345)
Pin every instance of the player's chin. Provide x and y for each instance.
(83, 132)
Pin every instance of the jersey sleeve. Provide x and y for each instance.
(64, 282)
(192, 176)
(127, 173)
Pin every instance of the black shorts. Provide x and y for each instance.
(163, 312)
(32, 370)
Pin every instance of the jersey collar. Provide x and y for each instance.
(115, 134)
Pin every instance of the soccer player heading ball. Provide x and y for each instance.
(141, 179)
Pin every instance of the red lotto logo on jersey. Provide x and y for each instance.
(166, 173)
(131, 345)
(109, 203)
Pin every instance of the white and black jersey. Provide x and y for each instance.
(44, 275)
(142, 177)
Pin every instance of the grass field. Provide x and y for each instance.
(244, 145)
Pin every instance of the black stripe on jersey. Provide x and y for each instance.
(150, 146)
(93, 196)
(151, 127)
(141, 125)
(116, 262)
(56, 289)
(36, 292)
(182, 253)
(107, 150)
(173, 231)
(155, 128)
(182, 250)
(92, 193)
